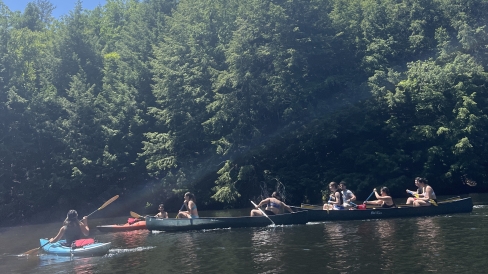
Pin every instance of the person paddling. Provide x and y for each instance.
(384, 200)
(274, 206)
(72, 229)
(191, 207)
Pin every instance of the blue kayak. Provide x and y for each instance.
(58, 248)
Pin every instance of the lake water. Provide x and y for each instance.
(440, 244)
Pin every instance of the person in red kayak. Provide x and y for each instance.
(73, 229)
(162, 214)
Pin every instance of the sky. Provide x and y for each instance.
(62, 6)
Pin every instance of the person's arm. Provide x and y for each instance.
(265, 201)
(376, 194)
(337, 201)
(59, 236)
(427, 194)
(187, 205)
(384, 198)
(287, 207)
(166, 215)
(84, 226)
(353, 197)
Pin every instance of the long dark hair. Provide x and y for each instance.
(276, 195)
(385, 190)
(192, 197)
(72, 218)
(334, 184)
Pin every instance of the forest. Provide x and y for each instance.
(232, 99)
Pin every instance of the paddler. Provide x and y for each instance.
(72, 229)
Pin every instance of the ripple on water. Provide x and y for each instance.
(116, 251)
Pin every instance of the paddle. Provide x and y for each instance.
(369, 197)
(449, 199)
(35, 250)
(105, 204)
(181, 208)
(256, 206)
(135, 215)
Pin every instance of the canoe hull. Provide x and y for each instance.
(464, 205)
(124, 227)
(96, 249)
(172, 224)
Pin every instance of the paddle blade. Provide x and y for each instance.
(135, 215)
(32, 252)
(109, 201)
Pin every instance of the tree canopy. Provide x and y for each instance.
(226, 98)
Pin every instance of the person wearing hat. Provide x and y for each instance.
(73, 229)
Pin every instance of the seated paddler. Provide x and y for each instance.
(190, 203)
(73, 229)
(429, 197)
(336, 200)
(384, 199)
(274, 206)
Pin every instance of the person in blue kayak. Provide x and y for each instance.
(336, 200)
(274, 206)
(73, 229)
(383, 199)
(191, 207)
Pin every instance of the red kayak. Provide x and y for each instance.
(132, 224)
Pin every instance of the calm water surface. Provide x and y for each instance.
(441, 244)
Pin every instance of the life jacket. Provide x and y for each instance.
(82, 242)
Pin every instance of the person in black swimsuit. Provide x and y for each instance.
(72, 229)
(384, 200)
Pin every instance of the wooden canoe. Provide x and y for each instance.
(173, 224)
(461, 205)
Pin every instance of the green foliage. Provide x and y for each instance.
(157, 95)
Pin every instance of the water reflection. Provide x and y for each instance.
(130, 239)
(266, 249)
(385, 230)
(78, 265)
(429, 241)
(341, 239)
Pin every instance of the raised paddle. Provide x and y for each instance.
(265, 215)
(105, 204)
(135, 215)
(35, 250)
(369, 196)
